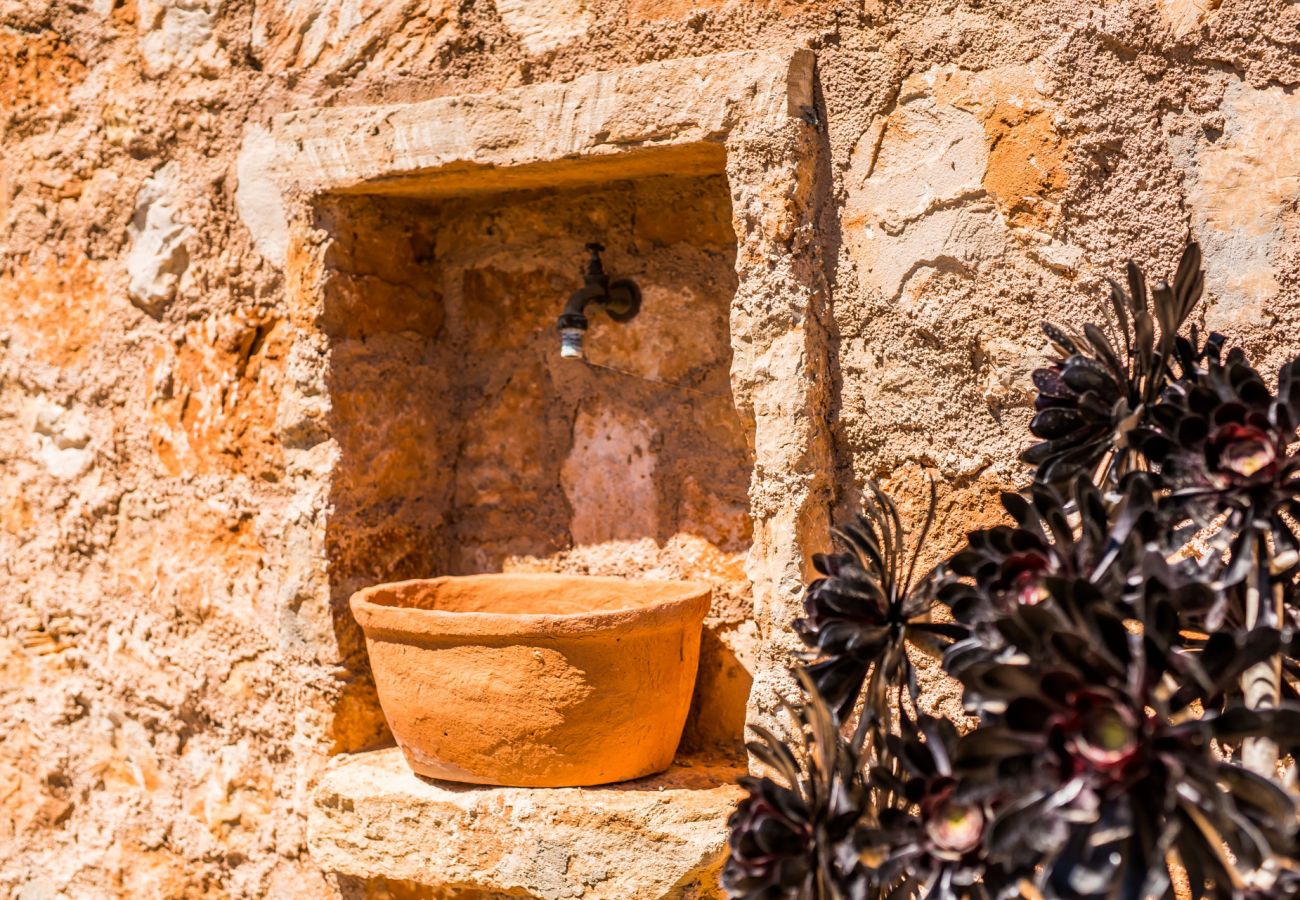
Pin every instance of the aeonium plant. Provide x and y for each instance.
(1125, 644)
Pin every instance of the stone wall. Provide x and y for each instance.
(972, 168)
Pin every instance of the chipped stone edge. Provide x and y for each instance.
(370, 816)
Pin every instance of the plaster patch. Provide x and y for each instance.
(1240, 189)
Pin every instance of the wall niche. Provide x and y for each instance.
(467, 444)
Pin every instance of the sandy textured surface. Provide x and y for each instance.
(186, 498)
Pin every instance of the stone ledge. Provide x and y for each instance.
(658, 837)
(651, 118)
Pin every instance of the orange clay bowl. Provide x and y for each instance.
(534, 680)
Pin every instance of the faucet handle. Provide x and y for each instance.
(595, 269)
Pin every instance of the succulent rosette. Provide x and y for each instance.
(928, 838)
(1055, 534)
(1220, 430)
(1097, 389)
(796, 837)
(1221, 440)
(865, 610)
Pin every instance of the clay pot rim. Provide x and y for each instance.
(690, 602)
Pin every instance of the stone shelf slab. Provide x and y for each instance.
(657, 837)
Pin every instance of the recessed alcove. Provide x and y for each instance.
(466, 444)
(432, 428)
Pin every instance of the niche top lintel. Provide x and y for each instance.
(668, 117)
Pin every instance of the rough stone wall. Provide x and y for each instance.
(983, 165)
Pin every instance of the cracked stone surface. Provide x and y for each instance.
(657, 837)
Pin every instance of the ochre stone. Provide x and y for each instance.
(534, 680)
(55, 309)
(213, 398)
(36, 73)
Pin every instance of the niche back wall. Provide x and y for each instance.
(467, 445)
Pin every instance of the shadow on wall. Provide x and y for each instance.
(468, 445)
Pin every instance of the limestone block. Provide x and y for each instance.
(655, 837)
(676, 106)
(543, 25)
(1185, 16)
(328, 35)
(159, 251)
(1242, 188)
(178, 33)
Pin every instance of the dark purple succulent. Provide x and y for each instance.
(1075, 564)
(865, 609)
(1056, 535)
(796, 837)
(1220, 429)
(1122, 673)
(927, 838)
(1221, 441)
(772, 842)
(1096, 766)
(1095, 392)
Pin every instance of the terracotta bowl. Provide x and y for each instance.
(534, 680)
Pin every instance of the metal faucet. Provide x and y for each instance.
(620, 298)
